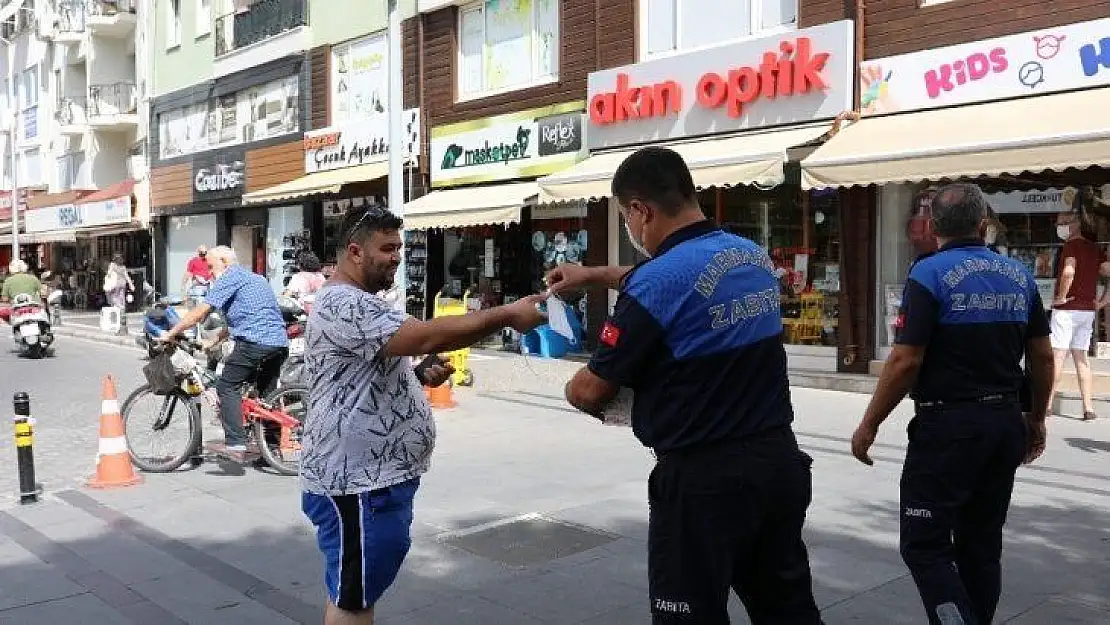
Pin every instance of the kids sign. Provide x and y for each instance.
(1031, 63)
(801, 76)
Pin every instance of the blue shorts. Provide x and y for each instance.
(364, 539)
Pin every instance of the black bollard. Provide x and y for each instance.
(24, 449)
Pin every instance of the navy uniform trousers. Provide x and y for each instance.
(955, 492)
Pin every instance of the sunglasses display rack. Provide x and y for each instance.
(416, 266)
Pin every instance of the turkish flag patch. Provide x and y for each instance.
(610, 334)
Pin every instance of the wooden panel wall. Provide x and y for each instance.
(580, 31)
(814, 12)
(901, 26)
(319, 115)
(856, 335)
(171, 186)
(274, 165)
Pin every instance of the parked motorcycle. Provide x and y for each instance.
(295, 316)
(31, 329)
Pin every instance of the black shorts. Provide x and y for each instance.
(726, 517)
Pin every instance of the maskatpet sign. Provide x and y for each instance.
(790, 78)
(359, 142)
(524, 144)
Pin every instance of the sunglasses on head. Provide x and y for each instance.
(375, 212)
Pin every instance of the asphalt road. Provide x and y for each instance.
(65, 394)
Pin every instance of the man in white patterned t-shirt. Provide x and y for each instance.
(369, 434)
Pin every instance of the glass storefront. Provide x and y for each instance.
(801, 233)
(1022, 226)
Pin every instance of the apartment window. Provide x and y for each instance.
(30, 174)
(204, 17)
(668, 26)
(507, 45)
(173, 23)
(30, 88)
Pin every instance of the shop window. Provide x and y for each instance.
(669, 26)
(359, 79)
(801, 233)
(507, 45)
(254, 114)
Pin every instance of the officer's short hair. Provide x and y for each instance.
(656, 176)
(958, 209)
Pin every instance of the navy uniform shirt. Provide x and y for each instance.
(973, 310)
(696, 334)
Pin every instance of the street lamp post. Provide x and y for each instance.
(396, 138)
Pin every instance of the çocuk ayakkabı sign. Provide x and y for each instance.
(1030, 63)
(800, 76)
(358, 142)
(525, 144)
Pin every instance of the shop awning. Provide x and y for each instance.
(1052, 132)
(123, 188)
(110, 230)
(35, 238)
(748, 158)
(469, 206)
(320, 183)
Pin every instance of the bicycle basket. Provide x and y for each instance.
(161, 374)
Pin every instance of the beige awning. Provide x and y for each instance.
(469, 206)
(35, 238)
(1052, 132)
(754, 157)
(320, 183)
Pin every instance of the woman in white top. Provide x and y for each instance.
(305, 283)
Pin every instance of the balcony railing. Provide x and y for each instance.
(115, 99)
(71, 111)
(264, 19)
(110, 7)
(71, 16)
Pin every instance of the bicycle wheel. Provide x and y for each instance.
(281, 448)
(164, 421)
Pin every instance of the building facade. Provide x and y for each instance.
(1003, 96)
(228, 117)
(79, 137)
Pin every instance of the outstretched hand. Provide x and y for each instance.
(525, 313)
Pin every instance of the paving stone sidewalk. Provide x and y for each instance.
(531, 514)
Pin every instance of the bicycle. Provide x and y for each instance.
(272, 425)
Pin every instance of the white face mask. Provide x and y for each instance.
(991, 235)
(636, 244)
(1064, 232)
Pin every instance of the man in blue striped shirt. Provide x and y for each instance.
(254, 321)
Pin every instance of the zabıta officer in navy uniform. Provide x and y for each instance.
(696, 334)
(969, 315)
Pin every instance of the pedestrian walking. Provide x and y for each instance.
(697, 335)
(369, 433)
(968, 316)
(1076, 303)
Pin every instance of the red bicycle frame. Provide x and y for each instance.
(254, 410)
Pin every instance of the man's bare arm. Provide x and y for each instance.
(1063, 286)
(445, 334)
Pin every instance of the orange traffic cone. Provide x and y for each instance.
(440, 396)
(113, 462)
